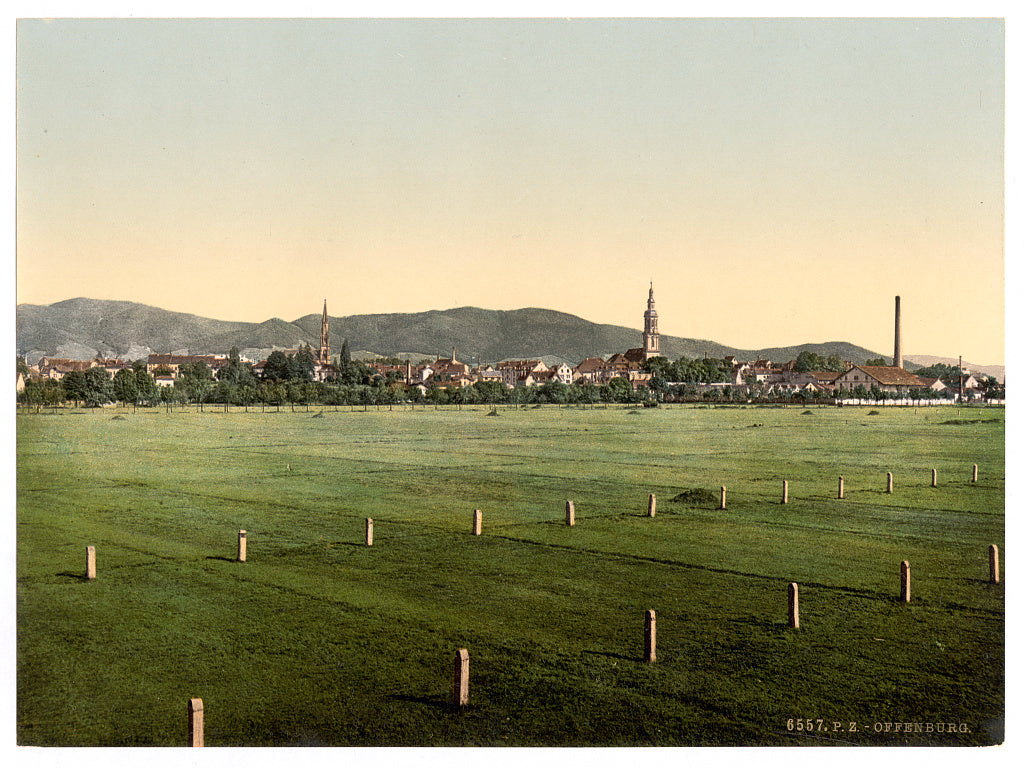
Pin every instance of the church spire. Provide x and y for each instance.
(324, 356)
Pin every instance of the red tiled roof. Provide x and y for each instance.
(891, 376)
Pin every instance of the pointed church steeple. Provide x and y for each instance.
(324, 355)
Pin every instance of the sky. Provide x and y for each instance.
(779, 181)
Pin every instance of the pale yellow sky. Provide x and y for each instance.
(780, 181)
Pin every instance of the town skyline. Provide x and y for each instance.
(778, 180)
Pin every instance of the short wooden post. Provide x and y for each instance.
(241, 546)
(90, 562)
(974, 474)
(650, 637)
(195, 722)
(794, 605)
(460, 692)
(888, 482)
(722, 506)
(785, 491)
(993, 563)
(570, 513)
(369, 531)
(478, 521)
(651, 502)
(905, 582)
(935, 478)
(840, 486)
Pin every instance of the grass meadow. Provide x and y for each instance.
(318, 639)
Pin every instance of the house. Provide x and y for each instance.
(639, 379)
(420, 373)
(446, 378)
(488, 373)
(111, 365)
(635, 357)
(594, 370)
(819, 381)
(886, 378)
(174, 362)
(934, 384)
(56, 368)
(563, 373)
(513, 371)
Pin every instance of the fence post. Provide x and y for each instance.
(974, 474)
(369, 531)
(90, 562)
(905, 582)
(785, 491)
(794, 605)
(888, 482)
(195, 723)
(241, 546)
(650, 637)
(651, 501)
(570, 513)
(723, 498)
(478, 521)
(935, 478)
(993, 563)
(460, 693)
(840, 486)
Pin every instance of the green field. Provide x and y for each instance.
(318, 639)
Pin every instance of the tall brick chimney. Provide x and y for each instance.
(897, 353)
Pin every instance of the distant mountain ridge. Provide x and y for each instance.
(87, 327)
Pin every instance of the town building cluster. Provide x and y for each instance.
(757, 377)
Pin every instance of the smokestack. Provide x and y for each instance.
(897, 353)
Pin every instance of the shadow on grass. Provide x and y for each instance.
(611, 655)
(72, 577)
(436, 702)
(222, 558)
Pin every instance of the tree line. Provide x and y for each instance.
(287, 380)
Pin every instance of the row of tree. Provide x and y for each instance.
(288, 380)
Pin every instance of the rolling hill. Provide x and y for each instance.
(82, 328)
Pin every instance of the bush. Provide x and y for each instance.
(697, 497)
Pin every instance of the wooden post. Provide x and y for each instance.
(570, 514)
(794, 605)
(840, 486)
(460, 692)
(785, 491)
(650, 637)
(478, 522)
(888, 482)
(993, 563)
(935, 478)
(651, 502)
(369, 531)
(195, 722)
(241, 546)
(905, 582)
(90, 563)
(974, 474)
(723, 498)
